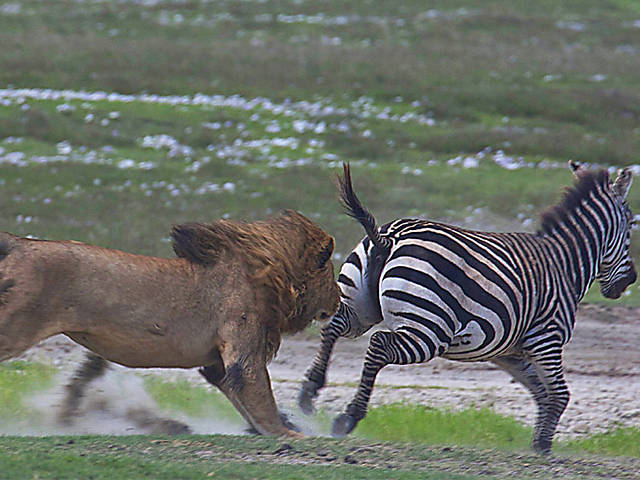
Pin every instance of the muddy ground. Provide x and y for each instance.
(602, 369)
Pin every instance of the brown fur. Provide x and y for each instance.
(222, 304)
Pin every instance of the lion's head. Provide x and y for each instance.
(318, 295)
(288, 256)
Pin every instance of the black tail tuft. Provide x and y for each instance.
(356, 210)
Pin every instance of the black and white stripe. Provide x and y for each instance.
(509, 298)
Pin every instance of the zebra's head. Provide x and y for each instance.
(617, 271)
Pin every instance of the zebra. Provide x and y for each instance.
(507, 298)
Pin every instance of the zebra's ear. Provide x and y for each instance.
(622, 183)
(575, 167)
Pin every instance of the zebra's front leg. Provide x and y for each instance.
(401, 347)
(548, 365)
(316, 375)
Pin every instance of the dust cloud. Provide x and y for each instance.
(115, 404)
(118, 404)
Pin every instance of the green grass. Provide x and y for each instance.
(52, 466)
(249, 457)
(621, 441)
(17, 381)
(417, 423)
(193, 400)
(106, 457)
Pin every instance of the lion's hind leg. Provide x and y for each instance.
(156, 425)
(25, 317)
(92, 367)
(19, 331)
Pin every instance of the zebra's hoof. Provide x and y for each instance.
(343, 425)
(305, 399)
(542, 447)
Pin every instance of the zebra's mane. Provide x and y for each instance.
(587, 182)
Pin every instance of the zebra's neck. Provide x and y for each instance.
(579, 239)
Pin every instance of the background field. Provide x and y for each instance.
(119, 118)
(459, 111)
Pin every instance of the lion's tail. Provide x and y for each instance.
(356, 210)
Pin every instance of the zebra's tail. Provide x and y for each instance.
(356, 210)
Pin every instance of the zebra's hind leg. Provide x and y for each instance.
(523, 371)
(316, 375)
(547, 361)
(402, 347)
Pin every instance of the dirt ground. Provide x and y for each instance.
(602, 370)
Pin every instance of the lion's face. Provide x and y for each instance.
(319, 297)
(322, 296)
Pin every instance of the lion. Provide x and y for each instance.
(222, 304)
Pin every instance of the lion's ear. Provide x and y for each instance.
(325, 253)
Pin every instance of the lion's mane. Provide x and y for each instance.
(279, 252)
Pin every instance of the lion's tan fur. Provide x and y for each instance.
(222, 304)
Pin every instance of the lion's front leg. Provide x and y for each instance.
(243, 377)
(215, 374)
(248, 387)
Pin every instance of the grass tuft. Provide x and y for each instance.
(417, 423)
(622, 441)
